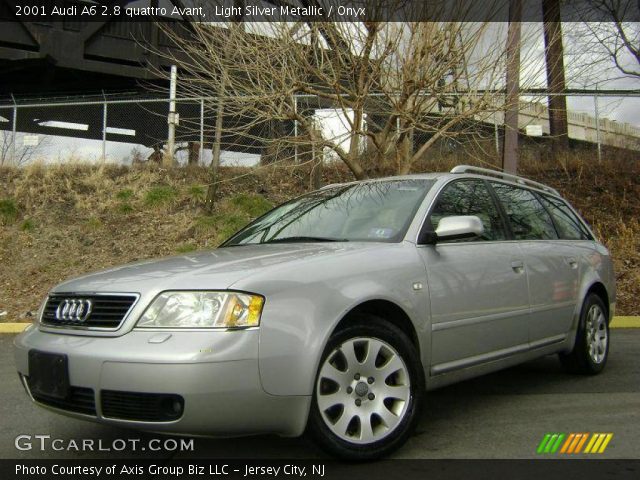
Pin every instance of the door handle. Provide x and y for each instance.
(517, 266)
(572, 262)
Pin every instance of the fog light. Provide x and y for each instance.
(172, 406)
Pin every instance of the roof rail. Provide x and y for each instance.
(506, 176)
(331, 185)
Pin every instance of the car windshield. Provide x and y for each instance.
(377, 211)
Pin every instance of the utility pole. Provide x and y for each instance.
(167, 160)
(510, 147)
(554, 59)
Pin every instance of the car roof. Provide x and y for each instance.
(464, 171)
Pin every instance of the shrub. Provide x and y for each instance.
(230, 224)
(8, 210)
(197, 193)
(160, 195)
(94, 222)
(125, 208)
(221, 224)
(206, 223)
(28, 225)
(252, 205)
(125, 194)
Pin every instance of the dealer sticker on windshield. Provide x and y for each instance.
(381, 232)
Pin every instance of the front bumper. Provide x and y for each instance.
(216, 373)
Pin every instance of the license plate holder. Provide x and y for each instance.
(49, 374)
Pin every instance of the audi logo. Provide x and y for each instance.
(74, 310)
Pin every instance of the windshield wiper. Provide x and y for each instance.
(304, 239)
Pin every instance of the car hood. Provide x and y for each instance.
(210, 269)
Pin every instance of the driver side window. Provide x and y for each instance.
(469, 197)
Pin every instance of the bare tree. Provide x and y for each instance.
(396, 88)
(608, 40)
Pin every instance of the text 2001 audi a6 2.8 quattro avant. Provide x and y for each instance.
(333, 312)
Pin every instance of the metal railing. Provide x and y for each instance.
(135, 129)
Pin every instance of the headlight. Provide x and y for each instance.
(203, 310)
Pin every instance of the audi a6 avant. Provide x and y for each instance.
(333, 312)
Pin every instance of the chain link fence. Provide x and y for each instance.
(127, 131)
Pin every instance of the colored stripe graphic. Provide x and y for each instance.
(573, 443)
(605, 443)
(581, 443)
(543, 443)
(598, 442)
(550, 443)
(556, 445)
(568, 442)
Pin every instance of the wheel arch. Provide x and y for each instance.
(599, 289)
(387, 311)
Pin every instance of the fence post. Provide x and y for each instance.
(200, 153)
(104, 128)
(295, 129)
(597, 115)
(171, 140)
(14, 159)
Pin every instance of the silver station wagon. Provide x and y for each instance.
(333, 313)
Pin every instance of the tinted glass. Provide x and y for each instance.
(568, 224)
(469, 197)
(373, 212)
(528, 218)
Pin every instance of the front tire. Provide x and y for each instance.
(591, 350)
(368, 391)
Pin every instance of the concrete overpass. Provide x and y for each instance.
(50, 56)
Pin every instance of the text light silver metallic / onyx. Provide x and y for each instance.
(334, 311)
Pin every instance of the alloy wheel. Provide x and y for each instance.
(363, 390)
(596, 333)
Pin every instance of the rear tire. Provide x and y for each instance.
(591, 349)
(368, 391)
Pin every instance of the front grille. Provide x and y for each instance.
(107, 311)
(79, 400)
(142, 407)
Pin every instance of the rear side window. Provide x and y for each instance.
(469, 197)
(528, 218)
(567, 223)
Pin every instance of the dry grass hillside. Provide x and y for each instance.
(65, 220)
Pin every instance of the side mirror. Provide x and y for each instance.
(453, 228)
(461, 226)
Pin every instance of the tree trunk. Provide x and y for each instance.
(194, 153)
(554, 57)
(317, 169)
(215, 158)
(510, 147)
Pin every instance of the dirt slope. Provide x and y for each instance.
(62, 221)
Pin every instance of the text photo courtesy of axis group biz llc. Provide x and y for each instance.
(319, 239)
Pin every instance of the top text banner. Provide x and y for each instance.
(84, 11)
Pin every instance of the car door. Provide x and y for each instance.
(552, 264)
(477, 287)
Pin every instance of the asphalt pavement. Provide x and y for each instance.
(502, 415)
